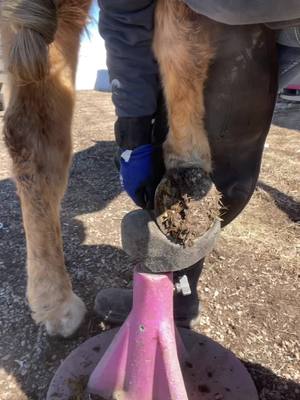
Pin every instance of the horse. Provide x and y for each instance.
(41, 41)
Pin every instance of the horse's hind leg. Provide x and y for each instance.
(38, 136)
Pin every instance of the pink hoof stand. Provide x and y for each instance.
(142, 363)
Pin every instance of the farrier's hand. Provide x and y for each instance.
(141, 170)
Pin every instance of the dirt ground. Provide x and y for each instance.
(250, 288)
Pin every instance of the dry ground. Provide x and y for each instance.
(250, 288)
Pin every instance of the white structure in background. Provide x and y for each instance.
(92, 70)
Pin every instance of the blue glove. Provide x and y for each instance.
(141, 170)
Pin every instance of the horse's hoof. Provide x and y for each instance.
(186, 204)
(68, 318)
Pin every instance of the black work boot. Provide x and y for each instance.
(187, 307)
(113, 305)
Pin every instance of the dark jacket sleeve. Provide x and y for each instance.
(240, 12)
(127, 28)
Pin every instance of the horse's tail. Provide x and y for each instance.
(34, 24)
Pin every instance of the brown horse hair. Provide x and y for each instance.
(35, 24)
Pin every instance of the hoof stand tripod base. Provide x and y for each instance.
(149, 359)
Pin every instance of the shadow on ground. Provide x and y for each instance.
(284, 202)
(270, 386)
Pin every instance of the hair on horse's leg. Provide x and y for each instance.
(41, 42)
(183, 44)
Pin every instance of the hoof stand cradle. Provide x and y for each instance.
(148, 358)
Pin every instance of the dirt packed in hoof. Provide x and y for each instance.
(186, 204)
